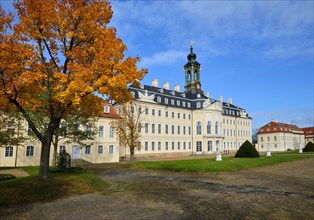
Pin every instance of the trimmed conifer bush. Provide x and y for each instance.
(309, 147)
(247, 150)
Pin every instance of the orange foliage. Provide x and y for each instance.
(59, 52)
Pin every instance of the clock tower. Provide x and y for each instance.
(192, 74)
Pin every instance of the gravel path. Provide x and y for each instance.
(283, 191)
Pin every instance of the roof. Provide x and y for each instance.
(188, 100)
(276, 127)
(308, 132)
(108, 111)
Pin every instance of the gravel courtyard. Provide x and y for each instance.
(283, 191)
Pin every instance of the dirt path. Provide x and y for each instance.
(283, 191)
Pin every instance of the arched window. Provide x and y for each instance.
(30, 151)
(189, 75)
(111, 149)
(183, 104)
(172, 102)
(100, 149)
(107, 109)
(166, 101)
(178, 103)
(198, 127)
(158, 99)
(209, 127)
(216, 127)
(198, 105)
(195, 75)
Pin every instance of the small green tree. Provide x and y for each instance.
(247, 150)
(309, 147)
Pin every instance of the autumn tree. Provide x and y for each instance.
(57, 53)
(128, 127)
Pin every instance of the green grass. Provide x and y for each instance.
(227, 164)
(26, 190)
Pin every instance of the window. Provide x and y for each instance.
(172, 102)
(159, 112)
(107, 109)
(101, 131)
(209, 146)
(158, 99)
(268, 139)
(111, 149)
(198, 105)
(146, 146)
(63, 129)
(62, 149)
(183, 116)
(172, 114)
(198, 146)
(216, 127)
(172, 129)
(190, 145)
(184, 145)
(189, 105)
(178, 145)
(153, 111)
(153, 128)
(178, 103)
(139, 146)
(111, 133)
(172, 145)
(9, 151)
(100, 149)
(178, 114)
(159, 145)
(275, 138)
(139, 128)
(29, 130)
(87, 149)
(209, 127)
(153, 146)
(146, 111)
(29, 151)
(178, 129)
(198, 127)
(189, 130)
(166, 101)
(167, 114)
(183, 129)
(166, 129)
(167, 145)
(146, 127)
(159, 128)
(183, 104)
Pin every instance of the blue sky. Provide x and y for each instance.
(259, 53)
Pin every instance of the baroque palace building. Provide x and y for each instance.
(172, 123)
(188, 122)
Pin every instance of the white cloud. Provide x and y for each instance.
(164, 57)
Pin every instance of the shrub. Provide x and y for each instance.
(247, 150)
(309, 147)
(4, 177)
(64, 160)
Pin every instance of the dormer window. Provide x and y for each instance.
(172, 102)
(107, 109)
(178, 103)
(158, 99)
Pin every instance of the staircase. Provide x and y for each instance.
(79, 163)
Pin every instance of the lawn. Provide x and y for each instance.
(227, 164)
(26, 190)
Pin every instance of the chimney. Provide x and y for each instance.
(166, 85)
(230, 101)
(177, 87)
(155, 82)
(221, 99)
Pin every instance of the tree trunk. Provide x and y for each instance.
(44, 158)
(55, 152)
(131, 154)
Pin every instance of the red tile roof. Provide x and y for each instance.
(111, 114)
(308, 132)
(275, 127)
